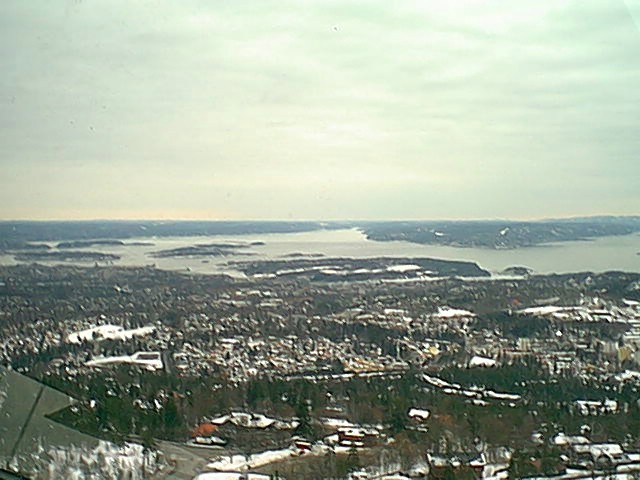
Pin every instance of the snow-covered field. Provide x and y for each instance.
(149, 360)
(231, 476)
(108, 332)
(106, 461)
(240, 463)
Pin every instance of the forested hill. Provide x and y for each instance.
(458, 233)
(501, 233)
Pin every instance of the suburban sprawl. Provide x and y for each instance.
(307, 366)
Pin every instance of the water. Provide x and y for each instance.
(603, 254)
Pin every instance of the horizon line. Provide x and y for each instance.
(311, 220)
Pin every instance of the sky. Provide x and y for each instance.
(301, 109)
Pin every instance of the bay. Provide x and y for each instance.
(598, 255)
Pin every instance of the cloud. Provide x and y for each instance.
(318, 109)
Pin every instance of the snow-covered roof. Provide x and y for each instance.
(562, 439)
(420, 413)
(545, 310)
(600, 449)
(448, 312)
(254, 420)
(478, 361)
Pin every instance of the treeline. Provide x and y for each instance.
(127, 402)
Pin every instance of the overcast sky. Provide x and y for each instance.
(319, 109)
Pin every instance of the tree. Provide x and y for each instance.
(306, 428)
(172, 421)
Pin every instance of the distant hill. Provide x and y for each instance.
(501, 234)
(477, 233)
(14, 234)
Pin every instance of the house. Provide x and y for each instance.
(357, 437)
(302, 445)
(607, 453)
(418, 415)
(461, 464)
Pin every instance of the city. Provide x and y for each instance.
(472, 376)
(319, 240)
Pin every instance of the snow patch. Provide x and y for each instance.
(108, 332)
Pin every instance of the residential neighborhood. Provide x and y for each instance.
(369, 378)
